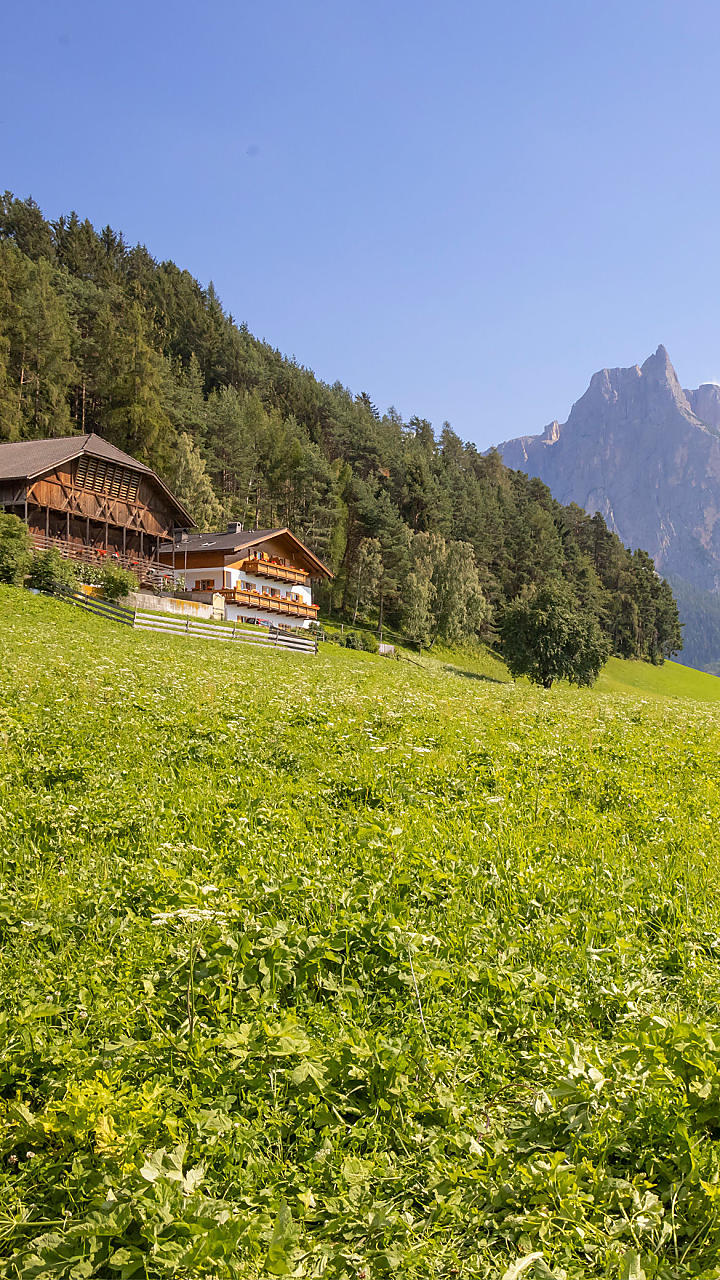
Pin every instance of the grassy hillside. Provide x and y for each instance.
(671, 680)
(351, 967)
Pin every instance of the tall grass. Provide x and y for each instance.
(350, 967)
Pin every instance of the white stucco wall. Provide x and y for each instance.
(236, 578)
(169, 604)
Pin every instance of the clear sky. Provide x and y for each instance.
(463, 208)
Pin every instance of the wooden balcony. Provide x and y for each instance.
(271, 604)
(144, 569)
(278, 572)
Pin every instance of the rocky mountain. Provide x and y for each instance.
(645, 453)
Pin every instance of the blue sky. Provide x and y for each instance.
(462, 208)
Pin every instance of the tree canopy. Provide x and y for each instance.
(547, 636)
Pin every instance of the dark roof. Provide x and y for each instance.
(31, 458)
(28, 459)
(225, 542)
(241, 540)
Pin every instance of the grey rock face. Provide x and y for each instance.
(646, 455)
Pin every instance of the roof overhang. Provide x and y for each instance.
(316, 568)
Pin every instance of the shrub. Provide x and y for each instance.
(369, 642)
(15, 550)
(117, 583)
(360, 640)
(51, 573)
(91, 573)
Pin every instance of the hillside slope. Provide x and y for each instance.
(420, 532)
(671, 680)
(345, 967)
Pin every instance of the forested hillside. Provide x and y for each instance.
(421, 531)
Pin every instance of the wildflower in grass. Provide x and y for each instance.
(191, 915)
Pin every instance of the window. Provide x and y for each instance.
(205, 584)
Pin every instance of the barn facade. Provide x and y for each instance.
(90, 500)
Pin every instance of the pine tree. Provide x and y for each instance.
(133, 416)
(189, 480)
(22, 222)
(46, 369)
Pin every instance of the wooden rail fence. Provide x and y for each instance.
(175, 624)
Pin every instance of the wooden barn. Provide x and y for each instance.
(90, 500)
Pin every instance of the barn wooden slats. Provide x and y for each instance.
(107, 478)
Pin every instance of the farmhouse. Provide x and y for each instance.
(264, 575)
(90, 500)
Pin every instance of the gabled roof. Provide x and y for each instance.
(225, 542)
(28, 459)
(234, 541)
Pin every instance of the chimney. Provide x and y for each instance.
(234, 527)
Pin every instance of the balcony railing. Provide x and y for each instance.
(272, 604)
(278, 572)
(144, 569)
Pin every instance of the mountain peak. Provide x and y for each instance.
(659, 365)
(641, 450)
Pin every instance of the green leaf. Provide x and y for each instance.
(631, 1267)
(127, 1261)
(278, 1261)
(517, 1268)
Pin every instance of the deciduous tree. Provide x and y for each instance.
(546, 636)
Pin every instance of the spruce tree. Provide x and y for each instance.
(133, 416)
(190, 482)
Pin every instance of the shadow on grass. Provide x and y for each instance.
(472, 675)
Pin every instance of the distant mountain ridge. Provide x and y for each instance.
(645, 453)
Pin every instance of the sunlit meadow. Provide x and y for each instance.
(351, 967)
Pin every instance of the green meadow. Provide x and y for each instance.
(352, 967)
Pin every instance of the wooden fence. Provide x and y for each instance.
(176, 625)
(91, 604)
